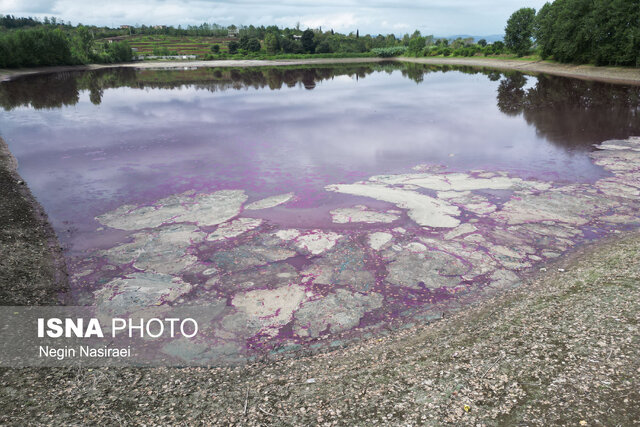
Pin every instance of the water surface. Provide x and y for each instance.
(90, 142)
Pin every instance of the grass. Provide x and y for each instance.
(201, 47)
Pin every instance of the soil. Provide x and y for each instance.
(622, 75)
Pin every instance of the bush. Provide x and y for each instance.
(389, 52)
(160, 51)
(325, 47)
(253, 45)
(120, 52)
(34, 47)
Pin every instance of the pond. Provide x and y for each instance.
(308, 207)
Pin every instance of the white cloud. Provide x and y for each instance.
(18, 7)
(339, 21)
(440, 17)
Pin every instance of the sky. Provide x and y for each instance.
(438, 17)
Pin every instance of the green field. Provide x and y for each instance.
(182, 45)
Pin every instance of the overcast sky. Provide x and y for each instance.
(439, 17)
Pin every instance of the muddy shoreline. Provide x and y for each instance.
(32, 266)
(619, 75)
(561, 349)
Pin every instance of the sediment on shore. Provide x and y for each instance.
(620, 75)
(32, 268)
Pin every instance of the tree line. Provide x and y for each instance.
(53, 44)
(602, 32)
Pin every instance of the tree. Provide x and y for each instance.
(543, 29)
(323, 47)
(233, 47)
(243, 42)
(308, 44)
(582, 31)
(482, 42)
(253, 45)
(416, 46)
(271, 43)
(519, 31)
(215, 48)
(120, 52)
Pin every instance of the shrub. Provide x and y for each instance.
(389, 52)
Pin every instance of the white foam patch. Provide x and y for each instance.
(361, 214)
(425, 210)
(459, 182)
(234, 228)
(270, 308)
(202, 209)
(270, 202)
(378, 239)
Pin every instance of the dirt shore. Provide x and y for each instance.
(32, 268)
(619, 75)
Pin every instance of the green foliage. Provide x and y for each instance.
(498, 47)
(290, 45)
(604, 32)
(163, 51)
(49, 45)
(81, 43)
(323, 47)
(389, 52)
(12, 22)
(253, 45)
(94, 44)
(119, 52)
(271, 43)
(416, 46)
(519, 31)
(308, 42)
(35, 47)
